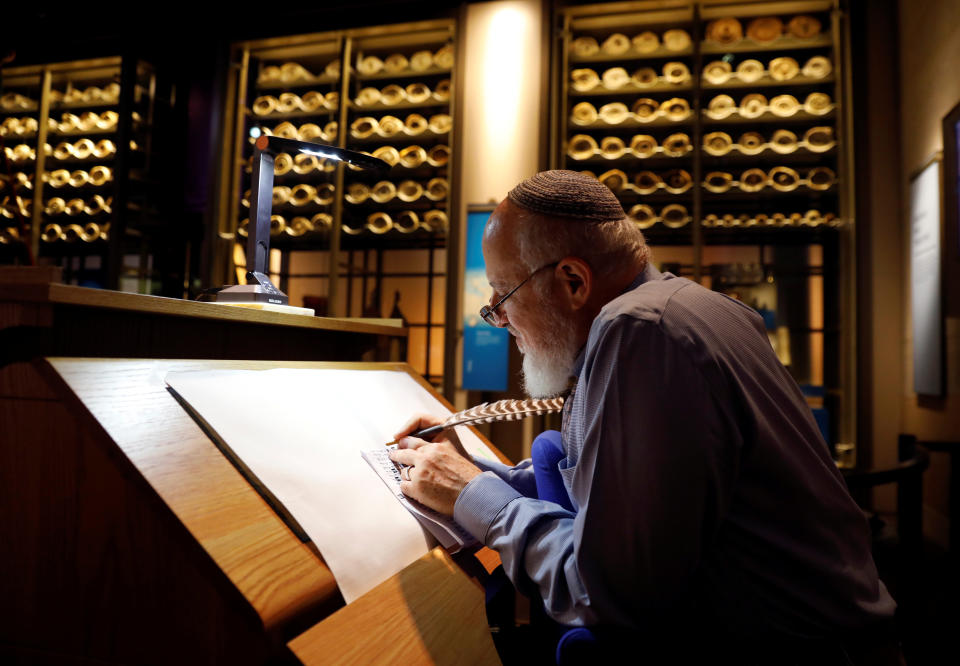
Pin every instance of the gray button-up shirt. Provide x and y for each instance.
(699, 478)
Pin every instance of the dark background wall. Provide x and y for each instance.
(929, 52)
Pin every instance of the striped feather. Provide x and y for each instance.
(504, 410)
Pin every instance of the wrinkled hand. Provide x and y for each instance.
(438, 470)
(422, 421)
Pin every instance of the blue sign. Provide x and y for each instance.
(485, 348)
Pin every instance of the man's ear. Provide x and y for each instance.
(576, 281)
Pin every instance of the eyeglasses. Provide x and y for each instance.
(489, 313)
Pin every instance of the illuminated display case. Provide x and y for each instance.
(346, 242)
(723, 129)
(87, 200)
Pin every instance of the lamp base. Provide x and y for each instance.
(259, 289)
(245, 293)
(252, 296)
(270, 307)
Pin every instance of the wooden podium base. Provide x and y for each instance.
(127, 537)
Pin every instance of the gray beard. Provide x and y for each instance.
(545, 377)
(547, 368)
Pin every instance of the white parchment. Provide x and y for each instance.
(301, 433)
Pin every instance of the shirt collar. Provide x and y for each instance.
(648, 274)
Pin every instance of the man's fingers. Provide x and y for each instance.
(405, 456)
(418, 422)
(409, 426)
(411, 443)
(411, 490)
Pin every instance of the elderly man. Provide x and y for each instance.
(706, 507)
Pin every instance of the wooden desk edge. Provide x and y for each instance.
(61, 294)
(430, 612)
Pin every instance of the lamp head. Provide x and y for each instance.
(277, 144)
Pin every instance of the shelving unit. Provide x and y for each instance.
(87, 201)
(378, 247)
(784, 246)
(648, 88)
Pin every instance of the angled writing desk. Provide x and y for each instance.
(127, 537)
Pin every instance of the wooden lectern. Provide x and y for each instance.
(127, 537)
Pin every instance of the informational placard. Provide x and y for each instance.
(485, 348)
(925, 281)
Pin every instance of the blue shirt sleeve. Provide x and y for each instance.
(654, 473)
(520, 477)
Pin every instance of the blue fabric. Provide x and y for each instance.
(547, 452)
(576, 646)
(519, 477)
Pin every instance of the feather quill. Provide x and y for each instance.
(488, 412)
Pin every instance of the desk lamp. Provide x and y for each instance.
(259, 287)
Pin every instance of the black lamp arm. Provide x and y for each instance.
(261, 196)
(277, 144)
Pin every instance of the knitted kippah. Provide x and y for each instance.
(568, 194)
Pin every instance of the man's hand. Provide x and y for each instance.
(423, 421)
(438, 470)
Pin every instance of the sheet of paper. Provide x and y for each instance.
(301, 433)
